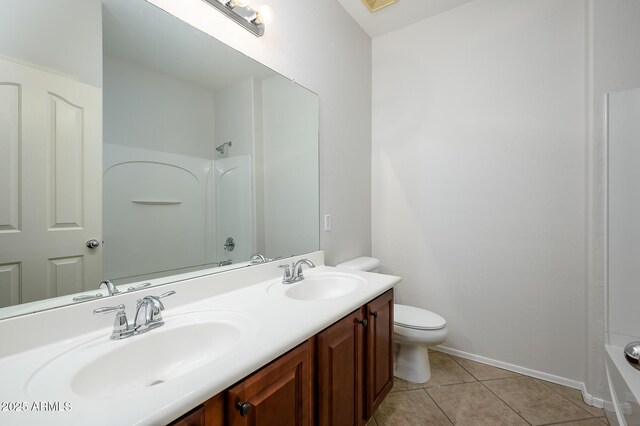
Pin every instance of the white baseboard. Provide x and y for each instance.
(588, 399)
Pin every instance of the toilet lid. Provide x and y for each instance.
(420, 319)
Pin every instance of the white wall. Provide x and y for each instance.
(322, 48)
(479, 176)
(234, 118)
(61, 35)
(614, 66)
(137, 114)
(290, 168)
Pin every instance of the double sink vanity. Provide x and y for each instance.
(238, 347)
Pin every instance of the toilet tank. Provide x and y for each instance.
(368, 264)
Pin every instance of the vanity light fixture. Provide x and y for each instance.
(375, 5)
(240, 12)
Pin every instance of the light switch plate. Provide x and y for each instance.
(327, 222)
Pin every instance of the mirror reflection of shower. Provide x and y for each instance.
(220, 148)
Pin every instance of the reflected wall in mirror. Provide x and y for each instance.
(623, 214)
(172, 151)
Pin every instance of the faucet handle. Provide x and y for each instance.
(106, 310)
(139, 286)
(287, 273)
(167, 294)
(120, 325)
(87, 297)
(156, 299)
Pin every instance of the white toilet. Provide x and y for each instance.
(414, 331)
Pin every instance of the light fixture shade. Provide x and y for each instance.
(375, 5)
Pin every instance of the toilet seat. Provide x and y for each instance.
(416, 318)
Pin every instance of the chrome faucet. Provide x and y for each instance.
(257, 258)
(297, 269)
(148, 316)
(112, 289)
(149, 312)
(293, 272)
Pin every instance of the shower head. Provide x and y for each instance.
(220, 148)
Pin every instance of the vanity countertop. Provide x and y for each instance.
(276, 324)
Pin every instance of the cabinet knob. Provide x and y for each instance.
(374, 314)
(244, 408)
(363, 322)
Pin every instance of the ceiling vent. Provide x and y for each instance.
(375, 5)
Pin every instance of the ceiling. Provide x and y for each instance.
(398, 15)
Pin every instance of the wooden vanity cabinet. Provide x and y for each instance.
(338, 377)
(355, 364)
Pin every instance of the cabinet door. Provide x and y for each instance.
(379, 375)
(340, 350)
(214, 411)
(194, 417)
(280, 394)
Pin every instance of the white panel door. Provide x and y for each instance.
(50, 184)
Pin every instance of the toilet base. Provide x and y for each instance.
(412, 363)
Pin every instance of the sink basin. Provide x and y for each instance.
(321, 286)
(103, 367)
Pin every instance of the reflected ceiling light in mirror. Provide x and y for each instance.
(240, 12)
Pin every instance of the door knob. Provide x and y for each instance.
(363, 322)
(93, 243)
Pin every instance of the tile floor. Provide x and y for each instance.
(463, 392)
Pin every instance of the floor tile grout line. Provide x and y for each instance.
(506, 378)
(505, 403)
(462, 366)
(433, 387)
(481, 363)
(438, 406)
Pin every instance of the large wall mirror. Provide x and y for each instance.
(137, 149)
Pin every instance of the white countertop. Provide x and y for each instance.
(278, 324)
